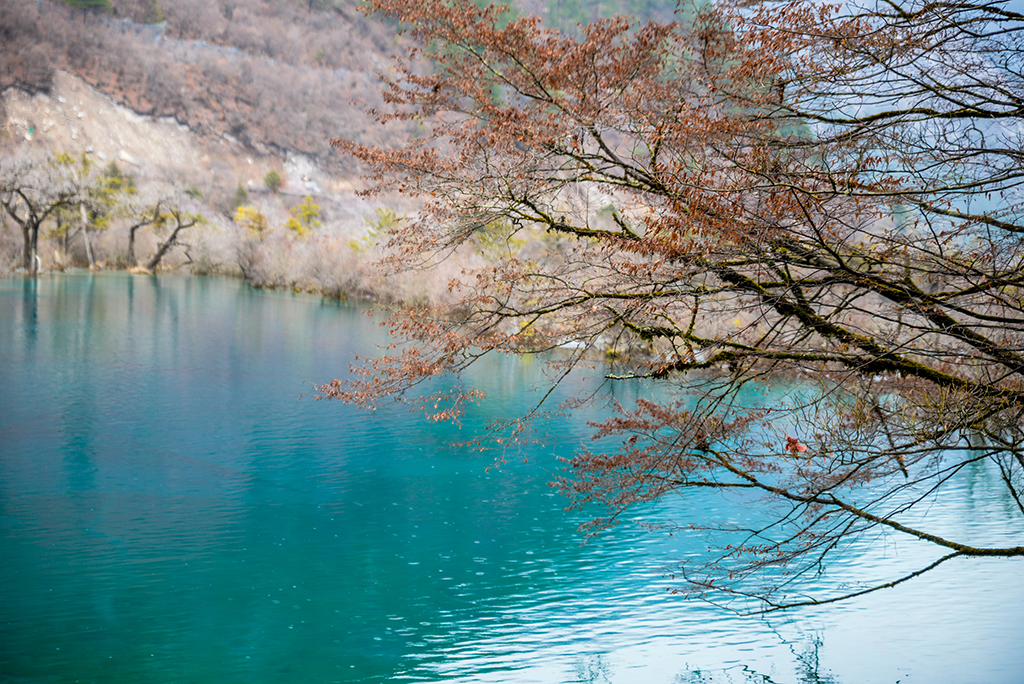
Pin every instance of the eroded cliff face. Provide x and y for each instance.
(75, 117)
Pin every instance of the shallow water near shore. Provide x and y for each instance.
(171, 509)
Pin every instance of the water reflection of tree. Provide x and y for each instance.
(808, 664)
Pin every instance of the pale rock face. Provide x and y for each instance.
(304, 173)
(75, 118)
(97, 125)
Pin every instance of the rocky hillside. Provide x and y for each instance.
(73, 116)
(214, 94)
(271, 77)
(276, 76)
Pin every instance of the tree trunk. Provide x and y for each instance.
(131, 246)
(164, 248)
(33, 268)
(27, 254)
(181, 222)
(132, 260)
(26, 249)
(85, 234)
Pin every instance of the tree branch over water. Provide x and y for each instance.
(812, 196)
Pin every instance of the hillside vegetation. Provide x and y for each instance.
(276, 76)
(219, 96)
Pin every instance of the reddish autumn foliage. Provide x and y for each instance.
(748, 194)
(795, 447)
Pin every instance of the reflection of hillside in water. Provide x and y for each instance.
(170, 509)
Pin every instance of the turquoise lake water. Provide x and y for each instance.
(172, 511)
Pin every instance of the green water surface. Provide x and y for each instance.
(172, 511)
